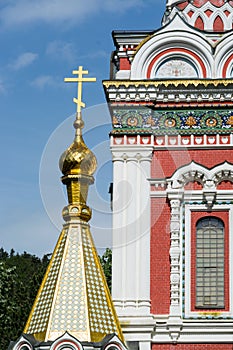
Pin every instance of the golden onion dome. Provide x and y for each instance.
(78, 159)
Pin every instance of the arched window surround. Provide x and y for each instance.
(173, 38)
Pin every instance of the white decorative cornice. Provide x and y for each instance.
(170, 91)
(209, 178)
(127, 154)
(173, 187)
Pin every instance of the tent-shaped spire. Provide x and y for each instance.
(74, 296)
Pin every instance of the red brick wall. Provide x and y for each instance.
(225, 185)
(166, 162)
(164, 165)
(124, 63)
(160, 263)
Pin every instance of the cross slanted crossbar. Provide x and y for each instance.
(80, 80)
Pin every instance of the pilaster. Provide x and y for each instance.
(131, 230)
(174, 323)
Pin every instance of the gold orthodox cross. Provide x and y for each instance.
(80, 80)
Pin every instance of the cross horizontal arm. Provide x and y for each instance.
(80, 71)
(76, 80)
(80, 80)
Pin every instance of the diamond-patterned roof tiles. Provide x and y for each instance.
(74, 296)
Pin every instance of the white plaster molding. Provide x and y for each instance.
(123, 74)
(66, 340)
(187, 173)
(131, 230)
(172, 142)
(175, 254)
(174, 326)
(23, 343)
(209, 178)
(137, 328)
(127, 153)
(223, 51)
(209, 20)
(140, 93)
(209, 197)
(175, 35)
(201, 12)
(195, 331)
(172, 2)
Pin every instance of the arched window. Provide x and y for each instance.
(210, 263)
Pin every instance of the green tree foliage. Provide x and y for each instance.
(106, 262)
(9, 308)
(20, 278)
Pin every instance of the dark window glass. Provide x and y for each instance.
(210, 263)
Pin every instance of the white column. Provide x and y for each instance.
(144, 231)
(146, 345)
(118, 222)
(131, 230)
(131, 234)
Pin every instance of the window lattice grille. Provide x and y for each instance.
(210, 263)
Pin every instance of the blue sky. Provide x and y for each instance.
(41, 43)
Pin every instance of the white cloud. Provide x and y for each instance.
(24, 60)
(122, 5)
(61, 50)
(27, 11)
(43, 81)
(95, 54)
(66, 51)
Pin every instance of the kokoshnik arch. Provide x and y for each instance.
(171, 101)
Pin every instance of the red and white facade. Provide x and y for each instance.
(171, 101)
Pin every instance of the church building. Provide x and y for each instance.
(170, 96)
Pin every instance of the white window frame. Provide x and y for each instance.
(187, 276)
